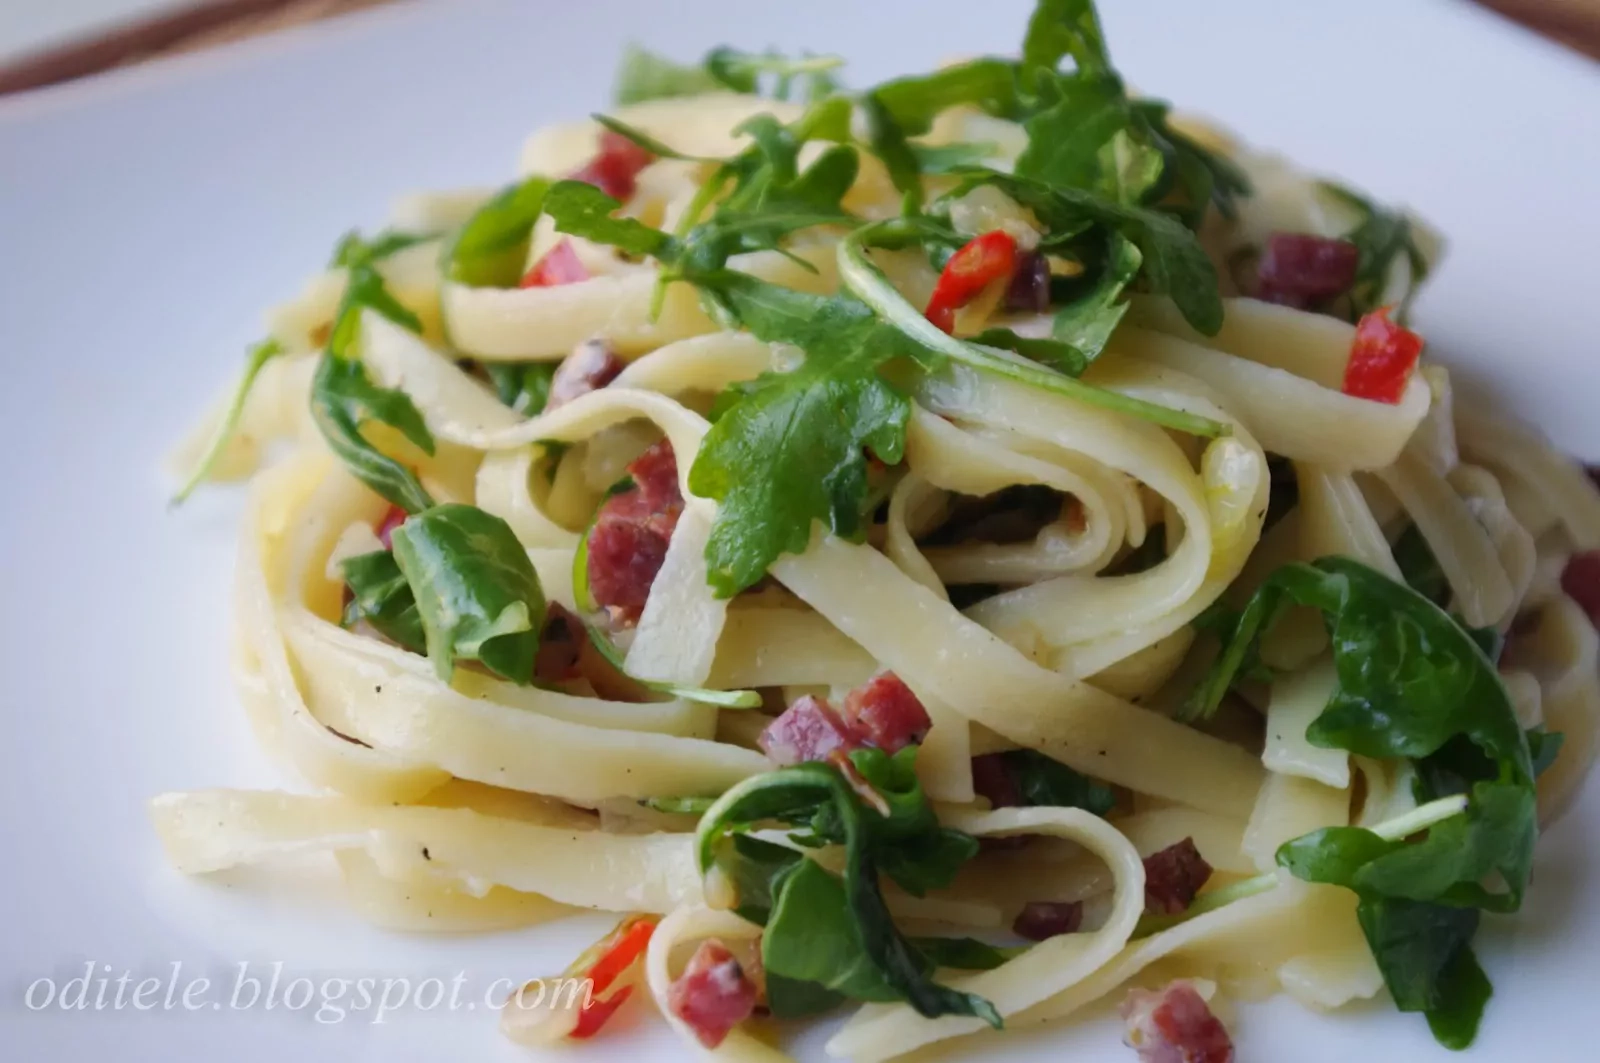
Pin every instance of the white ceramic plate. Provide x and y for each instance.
(147, 217)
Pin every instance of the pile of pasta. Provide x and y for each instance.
(479, 804)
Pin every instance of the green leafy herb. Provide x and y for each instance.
(491, 248)
(1059, 28)
(914, 102)
(1043, 781)
(963, 954)
(354, 249)
(950, 158)
(789, 450)
(523, 386)
(792, 450)
(1174, 263)
(1059, 355)
(865, 281)
(1199, 175)
(1412, 683)
(260, 355)
(1086, 322)
(582, 209)
(344, 398)
(1383, 237)
(810, 77)
(830, 937)
(381, 597)
(476, 591)
(643, 75)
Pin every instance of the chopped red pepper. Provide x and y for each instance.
(1381, 358)
(984, 259)
(621, 950)
(602, 964)
(598, 1012)
(557, 266)
(616, 167)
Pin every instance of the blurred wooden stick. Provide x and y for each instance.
(181, 29)
(1573, 22)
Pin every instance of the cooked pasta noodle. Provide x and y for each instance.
(692, 576)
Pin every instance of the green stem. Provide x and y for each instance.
(260, 355)
(703, 198)
(869, 285)
(1420, 818)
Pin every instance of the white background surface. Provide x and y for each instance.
(146, 218)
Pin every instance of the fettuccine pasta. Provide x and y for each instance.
(966, 551)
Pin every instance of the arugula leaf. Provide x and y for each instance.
(758, 869)
(1043, 781)
(744, 72)
(1425, 953)
(812, 937)
(1412, 683)
(1087, 322)
(949, 158)
(354, 249)
(792, 449)
(491, 248)
(1059, 28)
(913, 102)
(1174, 263)
(344, 398)
(476, 591)
(888, 141)
(644, 75)
(1071, 140)
(581, 209)
(380, 596)
(1410, 678)
(523, 386)
(866, 282)
(1200, 175)
(964, 954)
(827, 936)
(1382, 237)
(260, 355)
(1059, 355)
(645, 140)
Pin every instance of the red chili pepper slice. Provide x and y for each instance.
(603, 963)
(559, 265)
(625, 946)
(598, 1013)
(983, 260)
(1381, 358)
